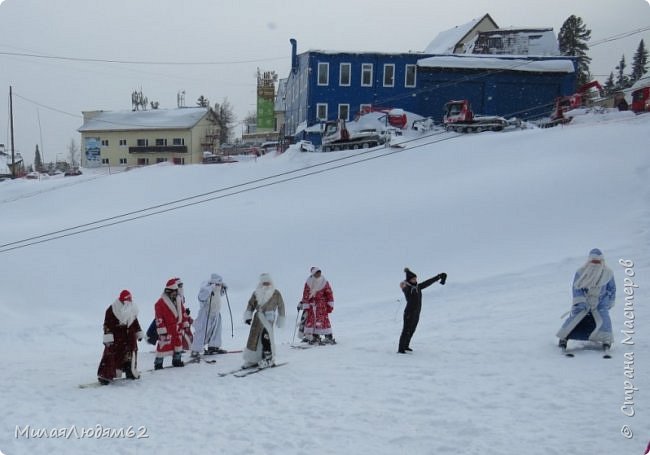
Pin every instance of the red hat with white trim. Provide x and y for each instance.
(125, 295)
(172, 284)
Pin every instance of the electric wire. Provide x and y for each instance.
(240, 188)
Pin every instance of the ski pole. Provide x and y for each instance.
(295, 327)
(232, 327)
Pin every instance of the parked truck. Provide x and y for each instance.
(459, 117)
(337, 136)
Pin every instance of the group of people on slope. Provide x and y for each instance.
(594, 293)
(174, 331)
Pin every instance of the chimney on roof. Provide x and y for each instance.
(294, 55)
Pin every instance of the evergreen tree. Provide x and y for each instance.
(38, 161)
(639, 63)
(572, 40)
(610, 86)
(202, 101)
(225, 120)
(622, 80)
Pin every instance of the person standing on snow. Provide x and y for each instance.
(594, 293)
(169, 317)
(121, 335)
(207, 327)
(264, 308)
(413, 293)
(317, 303)
(186, 319)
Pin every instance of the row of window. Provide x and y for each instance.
(343, 111)
(367, 69)
(145, 142)
(144, 161)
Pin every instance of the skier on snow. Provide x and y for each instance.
(260, 314)
(317, 303)
(413, 293)
(207, 326)
(169, 319)
(594, 293)
(186, 320)
(121, 335)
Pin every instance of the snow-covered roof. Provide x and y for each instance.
(445, 42)
(497, 63)
(155, 119)
(643, 82)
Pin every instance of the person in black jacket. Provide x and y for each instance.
(413, 293)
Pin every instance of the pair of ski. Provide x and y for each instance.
(243, 372)
(570, 352)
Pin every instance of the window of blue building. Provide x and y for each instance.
(389, 75)
(344, 112)
(366, 75)
(323, 73)
(345, 74)
(321, 111)
(410, 76)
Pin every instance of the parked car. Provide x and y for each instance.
(72, 172)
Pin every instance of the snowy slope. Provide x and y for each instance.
(509, 216)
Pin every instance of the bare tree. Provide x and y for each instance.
(73, 153)
(225, 119)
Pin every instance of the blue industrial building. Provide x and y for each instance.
(325, 85)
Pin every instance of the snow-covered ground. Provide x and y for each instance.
(509, 216)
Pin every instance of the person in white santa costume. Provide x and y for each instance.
(207, 327)
(169, 321)
(317, 303)
(121, 335)
(265, 307)
(594, 294)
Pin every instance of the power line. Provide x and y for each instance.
(138, 62)
(240, 188)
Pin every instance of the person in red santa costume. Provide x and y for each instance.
(169, 320)
(186, 323)
(317, 303)
(121, 335)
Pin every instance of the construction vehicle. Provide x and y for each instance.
(584, 97)
(394, 116)
(459, 117)
(337, 136)
(641, 95)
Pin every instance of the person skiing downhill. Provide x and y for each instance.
(317, 303)
(263, 306)
(594, 294)
(413, 293)
(207, 326)
(121, 335)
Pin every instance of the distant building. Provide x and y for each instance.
(140, 138)
(518, 73)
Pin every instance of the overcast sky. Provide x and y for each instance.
(223, 42)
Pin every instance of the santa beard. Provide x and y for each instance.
(593, 276)
(126, 313)
(263, 294)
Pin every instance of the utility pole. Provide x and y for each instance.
(11, 128)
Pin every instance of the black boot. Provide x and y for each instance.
(158, 363)
(176, 360)
(127, 370)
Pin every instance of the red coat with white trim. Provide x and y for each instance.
(318, 307)
(169, 320)
(120, 344)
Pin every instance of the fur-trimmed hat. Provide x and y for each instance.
(265, 278)
(215, 278)
(125, 295)
(596, 254)
(313, 270)
(409, 274)
(172, 284)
